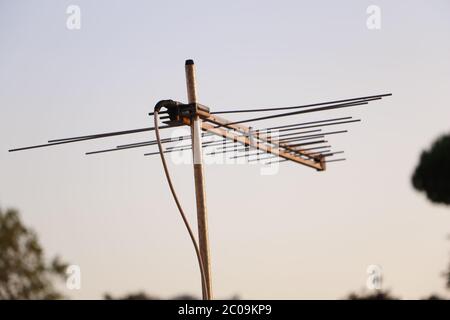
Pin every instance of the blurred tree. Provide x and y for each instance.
(432, 174)
(433, 296)
(131, 296)
(24, 274)
(140, 295)
(377, 295)
(447, 276)
(144, 296)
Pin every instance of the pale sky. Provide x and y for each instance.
(299, 234)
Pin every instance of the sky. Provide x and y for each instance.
(298, 234)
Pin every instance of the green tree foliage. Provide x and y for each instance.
(24, 274)
(432, 174)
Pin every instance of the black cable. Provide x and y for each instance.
(180, 209)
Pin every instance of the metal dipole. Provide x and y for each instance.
(202, 219)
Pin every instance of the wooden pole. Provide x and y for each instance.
(202, 219)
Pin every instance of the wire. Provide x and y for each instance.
(173, 139)
(108, 134)
(303, 106)
(84, 138)
(180, 209)
(335, 106)
(301, 124)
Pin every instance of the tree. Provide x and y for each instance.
(24, 273)
(377, 295)
(432, 174)
(140, 295)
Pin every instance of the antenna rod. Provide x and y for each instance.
(151, 143)
(320, 125)
(202, 220)
(303, 106)
(84, 138)
(336, 160)
(236, 148)
(301, 124)
(336, 106)
(225, 142)
(312, 136)
(174, 139)
(278, 143)
(109, 134)
(306, 136)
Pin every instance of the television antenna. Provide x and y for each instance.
(303, 143)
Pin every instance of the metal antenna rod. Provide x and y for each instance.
(319, 125)
(177, 139)
(283, 140)
(119, 148)
(236, 148)
(204, 134)
(302, 124)
(307, 136)
(107, 134)
(303, 149)
(303, 106)
(204, 144)
(173, 139)
(336, 160)
(153, 143)
(324, 154)
(225, 142)
(166, 151)
(336, 106)
(202, 219)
